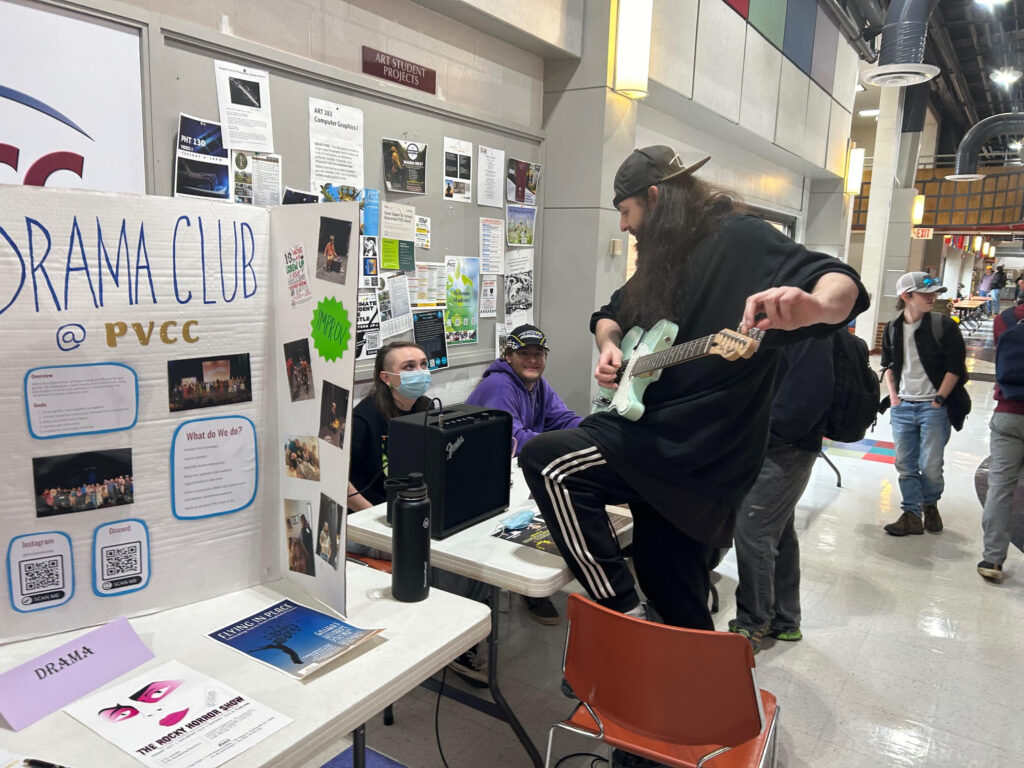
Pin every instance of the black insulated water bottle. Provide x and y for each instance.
(393, 485)
(410, 544)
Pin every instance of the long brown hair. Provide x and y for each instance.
(382, 397)
(686, 210)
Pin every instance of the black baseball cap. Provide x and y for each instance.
(648, 167)
(526, 336)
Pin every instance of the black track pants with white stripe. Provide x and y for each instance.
(571, 483)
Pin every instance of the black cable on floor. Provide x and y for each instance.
(582, 754)
(437, 711)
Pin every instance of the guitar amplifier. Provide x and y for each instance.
(465, 455)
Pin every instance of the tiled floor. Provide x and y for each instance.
(909, 658)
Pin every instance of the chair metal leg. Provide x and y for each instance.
(839, 477)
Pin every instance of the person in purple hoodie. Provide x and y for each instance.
(515, 383)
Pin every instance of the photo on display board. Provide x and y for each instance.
(333, 407)
(204, 382)
(299, 546)
(297, 366)
(302, 458)
(332, 249)
(245, 93)
(328, 542)
(75, 482)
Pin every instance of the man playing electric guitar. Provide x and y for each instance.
(686, 463)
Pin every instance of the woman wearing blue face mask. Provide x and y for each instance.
(401, 379)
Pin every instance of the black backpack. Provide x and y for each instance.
(855, 392)
(1010, 358)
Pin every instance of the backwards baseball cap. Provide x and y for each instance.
(526, 336)
(648, 167)
(919, 282)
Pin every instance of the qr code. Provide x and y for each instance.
(42, 573)
(122, 560)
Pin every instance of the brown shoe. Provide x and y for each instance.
(909, 523)
(932, 521)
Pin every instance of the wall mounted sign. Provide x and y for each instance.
(380, 64)
(922, 233)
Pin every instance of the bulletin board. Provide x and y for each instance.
(183, 81)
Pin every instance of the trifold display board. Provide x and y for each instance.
(174, 390)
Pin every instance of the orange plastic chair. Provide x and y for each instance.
(374, 562)
(683, 697)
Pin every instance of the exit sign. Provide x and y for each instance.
(922, 233)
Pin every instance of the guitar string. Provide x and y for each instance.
(680, 353)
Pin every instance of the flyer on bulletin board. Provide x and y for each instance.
(405, 166)
(461, 319)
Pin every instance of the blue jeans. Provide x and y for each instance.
(920, 432)
(993, 300)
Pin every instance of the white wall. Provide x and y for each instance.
(706, 52)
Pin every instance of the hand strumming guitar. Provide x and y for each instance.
(608, 335)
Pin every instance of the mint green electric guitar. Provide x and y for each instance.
(646, 353)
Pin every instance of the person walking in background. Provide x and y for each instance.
(986, 284)
(994, 289)
(923, 357)
(1006, 444)
(767, 550)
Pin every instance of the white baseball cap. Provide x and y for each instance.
(919, 282)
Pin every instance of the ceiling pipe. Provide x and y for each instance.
(871, 11)
(853, 33)
(966, 167)
(901, 56)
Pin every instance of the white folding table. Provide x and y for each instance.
(418, 640)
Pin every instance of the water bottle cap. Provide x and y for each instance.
(411, 491)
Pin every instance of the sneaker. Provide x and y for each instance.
(788, 635)
(754, 636)
(541, 610)
(909, 523)
(991, 571)
(621, 759)
(932, 521)
(471, 667)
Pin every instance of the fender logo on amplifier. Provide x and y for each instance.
(451, 448)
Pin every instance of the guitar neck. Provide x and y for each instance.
(680, 353)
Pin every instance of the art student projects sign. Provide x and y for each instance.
(145, 341)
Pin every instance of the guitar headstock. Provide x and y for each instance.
(732, 345)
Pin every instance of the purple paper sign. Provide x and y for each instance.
(36, 688)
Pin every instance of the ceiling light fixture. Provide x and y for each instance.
(1006, 76)
(869, 112)
(1015, 146)
(991, 3)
